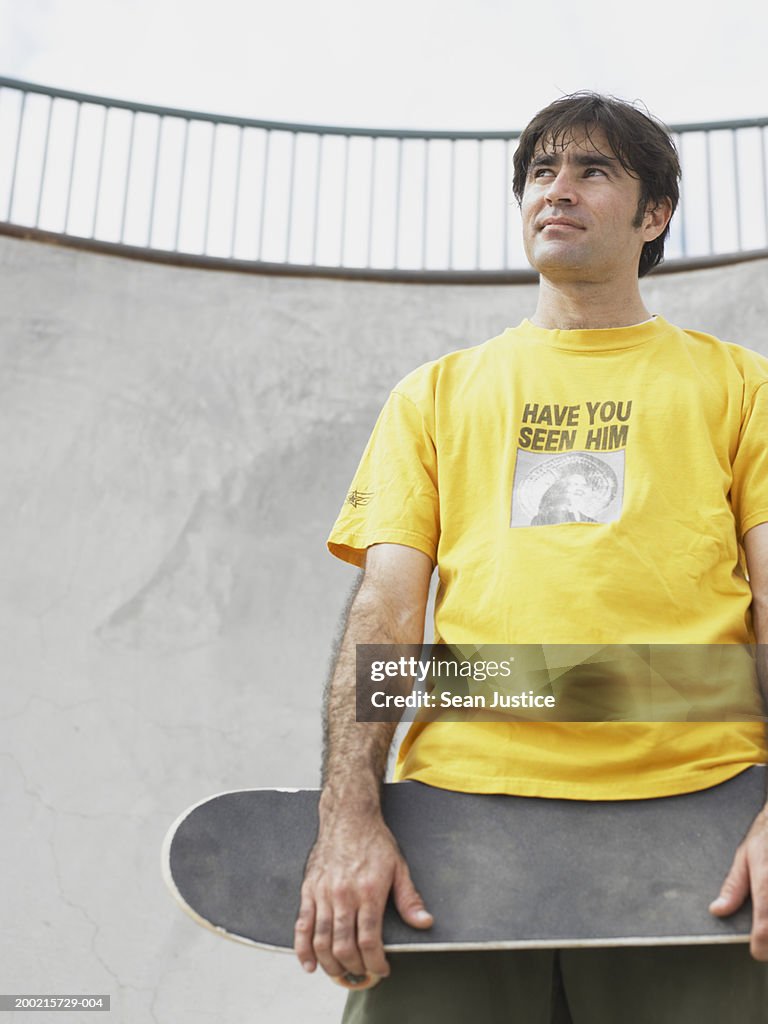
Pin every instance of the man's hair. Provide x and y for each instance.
(641, 144)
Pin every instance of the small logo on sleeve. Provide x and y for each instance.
(357, 499)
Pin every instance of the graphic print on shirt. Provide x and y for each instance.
(570, 463)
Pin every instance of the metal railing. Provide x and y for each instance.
(374, 202)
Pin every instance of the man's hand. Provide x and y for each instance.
(356, 863)
(749, 873)
(352, 869)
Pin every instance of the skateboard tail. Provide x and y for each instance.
(167, 873)
(352, 982)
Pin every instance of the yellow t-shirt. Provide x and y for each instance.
(575, 487)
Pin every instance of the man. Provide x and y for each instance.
(669, 428)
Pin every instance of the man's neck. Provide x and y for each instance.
(586, 306)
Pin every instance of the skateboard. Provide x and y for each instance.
(497, 872)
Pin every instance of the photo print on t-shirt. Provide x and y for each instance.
(573, 487)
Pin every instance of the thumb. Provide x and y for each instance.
(409, 903)
(735, 888)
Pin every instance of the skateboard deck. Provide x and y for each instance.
(498, 872)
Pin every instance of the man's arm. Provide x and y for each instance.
(355, 862)
(749, 871)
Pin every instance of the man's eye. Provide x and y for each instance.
(541, 171)
(594, 170)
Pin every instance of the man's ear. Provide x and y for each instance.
(656, 218)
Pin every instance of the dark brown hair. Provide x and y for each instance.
(642, 145)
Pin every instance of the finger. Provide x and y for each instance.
(344, 947)
(303, 933)
(322, 939)
(409, 903)
(369, 940)
(735, 888)
(757, 858)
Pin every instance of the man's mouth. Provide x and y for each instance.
(560, 222)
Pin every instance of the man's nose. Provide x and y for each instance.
(562, 188)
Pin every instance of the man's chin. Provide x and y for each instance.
(550, 256)
(567, 270)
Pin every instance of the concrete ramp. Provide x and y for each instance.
(176, 444)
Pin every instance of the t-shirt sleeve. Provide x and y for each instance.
(749, 491)
(393, 496)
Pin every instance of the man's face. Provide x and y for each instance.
(580, 211)
(576, 487)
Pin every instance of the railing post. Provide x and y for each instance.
(710, 211)
(316, 212)
(371, 200)
(155, 170)
(736, 185)
(45, 162)
(209, 191)
(236, 201)
(128, 171)
(182, 179)
(344, 188)
(451, 188)
(264, 179)
(12, 191)
(425, 205)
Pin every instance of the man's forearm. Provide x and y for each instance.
(756, 550)
(760, 624)
(355, 863)
(355, 753)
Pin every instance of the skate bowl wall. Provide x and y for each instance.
(176, 445)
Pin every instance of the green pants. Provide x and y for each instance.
(643, 985)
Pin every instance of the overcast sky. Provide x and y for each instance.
(483, 64)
